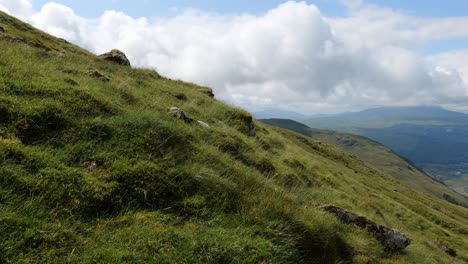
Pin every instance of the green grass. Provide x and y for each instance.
(99, 172)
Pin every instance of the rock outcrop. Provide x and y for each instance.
(116, 56)
(179, 114)
(391, 239)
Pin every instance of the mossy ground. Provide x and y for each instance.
(98, 172)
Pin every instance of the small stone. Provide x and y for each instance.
(100, 76)
(252, 130)
(90, 166)
(203, 124)
(179, 114)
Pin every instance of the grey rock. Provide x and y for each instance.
(100, 76)
(116, 56)
(90, 166)
(391, 239)
(179, 114)
(252, 130)
(2, 30)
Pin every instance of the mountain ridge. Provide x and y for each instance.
(388, 116)
(269, 113)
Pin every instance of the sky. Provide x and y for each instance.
(312, 57)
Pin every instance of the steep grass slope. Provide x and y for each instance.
(378, 156)
(98, 172)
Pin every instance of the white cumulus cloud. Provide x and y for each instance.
(290, 57)
(20, 8)
(61, 21)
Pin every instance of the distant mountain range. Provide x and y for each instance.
(390, 116)
(277, 113)
(433, 138)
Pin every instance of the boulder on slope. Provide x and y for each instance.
(391, 239)
(116, 56)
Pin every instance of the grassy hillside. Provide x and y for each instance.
(97, 171)
(378, 156)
